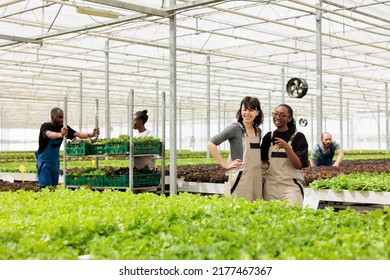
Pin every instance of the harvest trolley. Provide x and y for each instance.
(135, 182)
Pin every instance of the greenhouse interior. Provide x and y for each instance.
(189, 64)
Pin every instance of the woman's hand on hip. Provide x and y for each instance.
(234, 164)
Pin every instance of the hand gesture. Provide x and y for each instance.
(64, 131)
(280, 144)
(95, 132)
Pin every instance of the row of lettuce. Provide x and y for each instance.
(360, 175)
(109, 177)
(377, 182)
(113, 225)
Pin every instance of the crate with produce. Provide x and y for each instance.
(142, 145)
(116, 177)
(78, 147)
(93, 177)
(147, 145)
(98, 147)
(117, 146)
(146, 179)
(75, 177)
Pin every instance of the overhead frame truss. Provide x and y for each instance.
(247, 54)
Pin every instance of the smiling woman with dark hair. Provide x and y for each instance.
(244, 163)
(285, 151)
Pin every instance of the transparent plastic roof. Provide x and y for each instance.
(54, 49)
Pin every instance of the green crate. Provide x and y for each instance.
(117, 148)
(116, 181)
(74, 180)
(147, 148)
(78, 149)
(146, 179)
(94, 180)
(98, 149)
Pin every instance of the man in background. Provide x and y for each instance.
(323, 153)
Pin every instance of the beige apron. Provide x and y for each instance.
(283, 181)
(145, 162)
(245, 181)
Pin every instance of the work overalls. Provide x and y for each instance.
(145, 162)
(325, 159)
(245, 181)
(283, 180)
(48, 163)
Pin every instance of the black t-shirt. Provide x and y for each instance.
(299, 145)
(44, 141)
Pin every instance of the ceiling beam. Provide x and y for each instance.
(20, 39)
(192, 4)
(133, 7)
(152, 11)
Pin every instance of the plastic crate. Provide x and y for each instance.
(117, 148)
(74, 180)
(94, 180)
(147, 148)
(78, 149)
(146, 179)
(116, 181)
(98, 149)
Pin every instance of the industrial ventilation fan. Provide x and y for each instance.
(302, 122)
(297, 87)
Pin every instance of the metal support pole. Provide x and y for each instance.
(219, 109)
(96, 126)
(225, 122)
(348, 130)
(129, 117)
(379, 128)
(131, 151)
(192, 140)
(180, 126)
(65, 138)
(163, 144)
(282, 91)
(173, 93)
(312, 123)
(387, 117)
(208, 103)
(269, 112)
(319, 68)
(107, 93)
(2, 129)
(156, 113)
(341, 110)
(81, 102)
